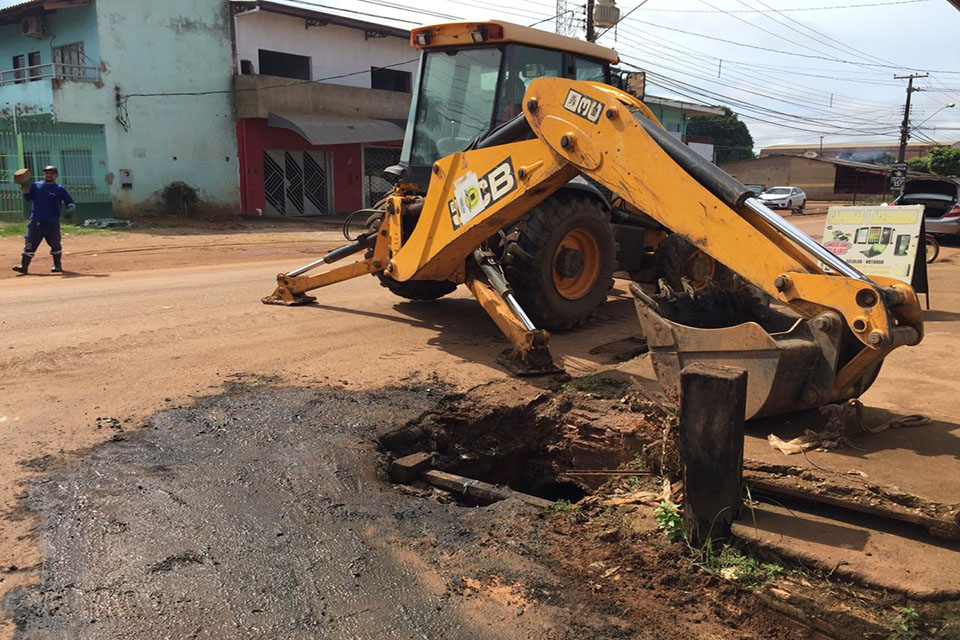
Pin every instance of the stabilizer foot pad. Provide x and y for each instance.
(537, 363)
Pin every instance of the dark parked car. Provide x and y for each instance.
(941, 201)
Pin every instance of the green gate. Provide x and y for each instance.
(78, 150)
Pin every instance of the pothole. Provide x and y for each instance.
(557, 446)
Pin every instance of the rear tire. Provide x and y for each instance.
(559, 259)
(417, 289)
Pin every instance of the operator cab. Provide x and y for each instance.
(472, 78)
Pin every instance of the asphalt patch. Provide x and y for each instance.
(257, 513)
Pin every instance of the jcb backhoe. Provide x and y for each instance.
(488, 197)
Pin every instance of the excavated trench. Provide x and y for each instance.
(553, 446)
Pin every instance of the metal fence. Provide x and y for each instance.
(80, 158)
(375, 160)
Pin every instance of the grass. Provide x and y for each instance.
(730, 563)
(904, 626)
(9, 229)
(562, 505)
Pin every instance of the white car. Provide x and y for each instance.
(792, 198)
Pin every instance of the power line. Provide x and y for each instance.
(789, 53)
(763, 94)
(857, 102)
(679, 87)
(844, 6)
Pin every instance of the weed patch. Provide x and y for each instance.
(904, 626)
(9, 229)
(670, 521)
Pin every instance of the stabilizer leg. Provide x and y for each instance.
(530, 354)
(292, 287)
(291, 290)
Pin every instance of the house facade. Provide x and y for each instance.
(321, 105)
(675, 116)
(124, 97)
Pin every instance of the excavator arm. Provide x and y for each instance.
(845, 322)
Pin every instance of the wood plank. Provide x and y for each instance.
(713, 404)
(478, 490)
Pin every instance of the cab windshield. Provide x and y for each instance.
(455, 104)
(463, 93)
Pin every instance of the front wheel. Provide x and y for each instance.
(932, 248)
(559, 259)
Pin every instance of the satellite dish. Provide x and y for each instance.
(810, 154)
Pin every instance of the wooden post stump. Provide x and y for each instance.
(713, 403)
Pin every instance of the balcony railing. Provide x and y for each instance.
(56, 70)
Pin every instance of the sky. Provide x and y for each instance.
(793, 70)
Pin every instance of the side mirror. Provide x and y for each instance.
(395, 173)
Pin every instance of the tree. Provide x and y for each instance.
(731, 138)
(886, 159)
(919, 164)
(944, 161)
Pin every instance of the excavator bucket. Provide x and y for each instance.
(791, 362)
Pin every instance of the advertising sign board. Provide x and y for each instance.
(880, 241)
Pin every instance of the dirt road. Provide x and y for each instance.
(150, 321)
(135, 327)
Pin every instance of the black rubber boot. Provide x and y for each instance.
(24, 264)
(57, 265)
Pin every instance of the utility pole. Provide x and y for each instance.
(905, 125)
(821, 146)
(591, 34)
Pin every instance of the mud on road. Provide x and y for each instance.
(264, 512)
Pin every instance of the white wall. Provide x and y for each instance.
(163, 47)
(333, 49)
(705, 150)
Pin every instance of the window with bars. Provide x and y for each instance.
(77, 166)
(36, 161)
(67, 60)
(375, 160)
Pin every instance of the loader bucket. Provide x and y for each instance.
(790, 362)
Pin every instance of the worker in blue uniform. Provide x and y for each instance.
(46, 198)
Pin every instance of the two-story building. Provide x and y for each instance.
(675, 116)
(321, 105)
(126, 97)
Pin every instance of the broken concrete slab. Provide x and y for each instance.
(885, 554)
(409, 468)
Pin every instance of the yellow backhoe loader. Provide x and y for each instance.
(505, 122)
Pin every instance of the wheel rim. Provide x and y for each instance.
(577, 285)
(699, 269)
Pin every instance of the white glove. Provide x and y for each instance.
(71, 207)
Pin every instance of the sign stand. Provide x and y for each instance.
(919, 282)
